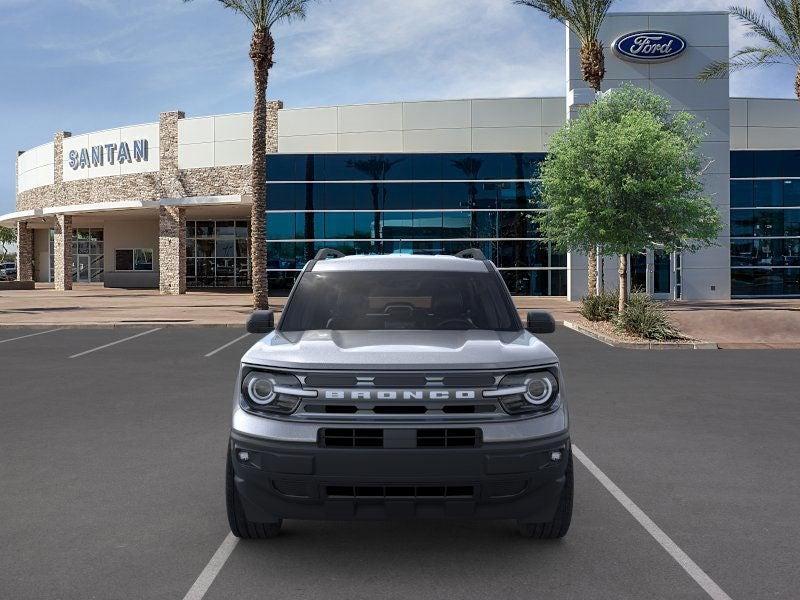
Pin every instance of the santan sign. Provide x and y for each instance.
(649, 46)
(97, 156)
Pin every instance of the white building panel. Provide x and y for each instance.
(308, 121)
(237, 126)
(738, 108)
(554, 111)
(507, 139)
(698, 29)
(437, 140)
(773, 113)
(739, 138)
(766, 138)
(302, 144)
(195, 156)
(233, 152)
(196, 131)
(508, 112)
(444, 114)
(371, 141)
(370, 117)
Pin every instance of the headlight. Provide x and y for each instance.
(271, 392)
(527, 392)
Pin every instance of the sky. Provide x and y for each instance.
(86, 65)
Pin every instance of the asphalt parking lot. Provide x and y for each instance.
(112, 478)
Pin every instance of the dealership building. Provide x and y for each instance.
(167, 204)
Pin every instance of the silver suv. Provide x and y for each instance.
(399, 387)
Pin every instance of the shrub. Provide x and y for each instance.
(601, 307)
(644, 317)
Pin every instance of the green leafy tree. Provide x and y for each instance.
(626, 174)
(8, 236)
(778, 40)
(263, 15)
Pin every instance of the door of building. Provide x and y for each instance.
(82, 274)
(651, 272)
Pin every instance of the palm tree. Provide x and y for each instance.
(779, 38)
(584, 19)
(263, 15)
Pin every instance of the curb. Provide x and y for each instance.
(640, 345)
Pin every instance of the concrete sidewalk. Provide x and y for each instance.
(734, 324)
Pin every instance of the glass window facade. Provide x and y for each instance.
(765, 223)
(217, 254)
(410, 203)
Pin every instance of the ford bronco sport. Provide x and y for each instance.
(399, 386)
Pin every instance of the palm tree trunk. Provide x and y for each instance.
(623, 282)
(797, 84)
(593, 70)
(593, 67)
(261, 52)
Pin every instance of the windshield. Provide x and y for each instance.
(383, 300)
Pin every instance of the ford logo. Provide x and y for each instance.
(649, 46)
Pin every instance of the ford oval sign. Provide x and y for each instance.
(649, 46)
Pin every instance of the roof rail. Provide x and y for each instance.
(471, 253)
(328, 253)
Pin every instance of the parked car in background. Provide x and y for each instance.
(8, 271)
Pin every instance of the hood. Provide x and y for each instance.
(400, 350)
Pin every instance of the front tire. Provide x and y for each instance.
(558, 527)
(241, 527)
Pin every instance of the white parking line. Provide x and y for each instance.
(688, 565)
(22, 337)
(214, 566)
(115, 343)
(231, 343)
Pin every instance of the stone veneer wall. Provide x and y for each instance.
(172, 250)
(62, 250)
(24, 252)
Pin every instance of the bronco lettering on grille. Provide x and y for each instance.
(399, 394)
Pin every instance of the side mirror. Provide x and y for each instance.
(540, 322)
(261, 321)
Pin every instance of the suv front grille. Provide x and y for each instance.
(419, 438)
(435, 492)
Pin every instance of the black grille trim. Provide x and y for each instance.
(380, 492)
(374, 438)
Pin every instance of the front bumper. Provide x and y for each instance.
(515, 480)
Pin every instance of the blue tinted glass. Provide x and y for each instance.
(741, 194)
(458, 224)
(339, 196)
(365, 225)
(791, 222)
(484, 195)
(345, 247)
(426, 195)
(528, 164)
(742, 223)
(557, 259)
(397, 196)
(281, 167)
(527, 283)
(791, 192)
(485, 224)
(312, 196)
(768, 222)
(280, 226)
(339, 225)
(397, 225)
(339, 167)
(305, 226)
(427, 224)
(372, 167)
(281, 255)
(310, 167)
(367, 195)
(456, 195)
(742, 164)
(515, 224)
(398, 166)
(367, 247)
(515, 195)
(522, 254)
(765, 282)
(790, 165)
(768, 193)
(768, 163)
(283, 196)
(558, 282)
(426, 166)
